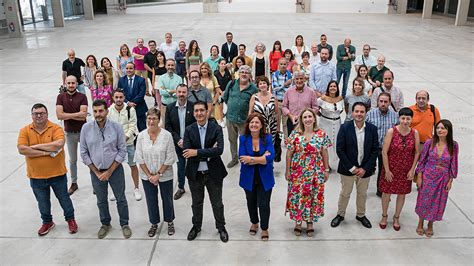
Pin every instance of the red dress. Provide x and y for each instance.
(400, 159)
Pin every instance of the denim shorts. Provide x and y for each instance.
(131, 154)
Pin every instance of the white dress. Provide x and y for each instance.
(330, 122)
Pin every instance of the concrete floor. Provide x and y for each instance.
(430, 54)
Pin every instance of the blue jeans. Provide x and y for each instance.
(81, 88)
(346, 73)
(151, 195)
(117, 183)
(181, 168)
(41, 189)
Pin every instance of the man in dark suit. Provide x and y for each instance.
(179, 115)
(203, 147)
(134, 88)
(357, 148)
(229, 49)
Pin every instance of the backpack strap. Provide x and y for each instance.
(128, 112)
(432, 109)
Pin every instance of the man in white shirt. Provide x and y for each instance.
(365, 59)
(313, 56)
(127, 117)
(169, 47)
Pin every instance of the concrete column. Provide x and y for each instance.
(88, 9)
(427, 9)
(304, 7)
(12, 15)
(210, 6)
(115, 7)
(446, 6)
(402, 6)
(461, 14)
(58, 13)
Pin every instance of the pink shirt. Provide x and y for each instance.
(294, 102)
(103, 93)
(139, 63)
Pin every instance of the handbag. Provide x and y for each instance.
(277, 147)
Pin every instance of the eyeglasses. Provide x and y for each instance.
(194, 77)
(38, 113)
(244, 72)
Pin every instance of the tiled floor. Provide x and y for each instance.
(430, 54)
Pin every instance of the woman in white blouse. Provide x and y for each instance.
(299, 48)
(155, 154)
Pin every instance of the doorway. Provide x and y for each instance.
(34, 11)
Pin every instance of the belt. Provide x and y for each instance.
(163, 104)
(206, 172)
(330, 117)
(280, 101)
(103, 170)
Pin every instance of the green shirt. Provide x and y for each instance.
(375, 74)
(341, 52)
(238, 101)
(167, 83)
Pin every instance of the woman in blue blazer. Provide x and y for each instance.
(256, 155)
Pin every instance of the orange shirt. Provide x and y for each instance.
(423, 121)
(43, 167)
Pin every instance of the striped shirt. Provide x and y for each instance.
(382, 121)
(278, 80)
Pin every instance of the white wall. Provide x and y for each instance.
(2, 10)
(258, 6)
(349, 6)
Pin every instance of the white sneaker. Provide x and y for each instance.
(111, 197)
(138, 195)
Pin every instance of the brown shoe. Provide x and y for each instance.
(179, 193)
(73, 188)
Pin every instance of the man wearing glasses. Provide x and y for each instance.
(197, 93)
(42, 142)
(103, 149)
(237, 97)
(365, 59)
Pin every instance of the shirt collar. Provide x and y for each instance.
(105, 125)
(205, 125)
(133, 77)
(185, 104)
(355, 126)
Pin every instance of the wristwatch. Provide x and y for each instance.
(252, 159)
(160, 174)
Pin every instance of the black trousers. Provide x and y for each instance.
(379, 166)
(214, 189)
(290, 126)
(258, 201)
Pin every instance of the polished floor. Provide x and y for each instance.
(429, 54)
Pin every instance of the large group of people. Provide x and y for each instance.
(289, 99)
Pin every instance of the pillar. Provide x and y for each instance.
(427, 9)
(402, 6)
(12, 15)
(88, 9)
(446, 6)
(461, 13)
(58, 13)
(304, 7)
(210, 6)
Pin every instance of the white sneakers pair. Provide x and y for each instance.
(136, 193)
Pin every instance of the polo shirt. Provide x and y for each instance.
(43, 167)
(166, 83)
(376, 74)
(139, 65)
(202, 94)
(367, 61)
(72, 104)
(423, 121)
(341, 52)
(238, 101)
(150, 60)
(74, 68)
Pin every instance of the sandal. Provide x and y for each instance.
(309, 231)
(420, 231)
(152, 231)
(297, 229)
(429, 233)
(396, 227)
(264, 235)
(171, 230)
(383, 226)
(253, 229)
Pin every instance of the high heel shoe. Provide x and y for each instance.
(383, 226)
(396, 227)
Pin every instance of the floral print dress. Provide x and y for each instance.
(437, 170)
(305, 200)
(103, 93)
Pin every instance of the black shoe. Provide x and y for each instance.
(364, 221)
(193, 233)
(223, 235)
(379, 194)
(179, 193)
(337, 220)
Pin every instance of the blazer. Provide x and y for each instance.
(346, 149)
(210, 153)
(172, 119)
(229, 55)
(135, 94)
(247, 172)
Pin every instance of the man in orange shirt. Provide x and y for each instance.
(425, 116)
(42, 142)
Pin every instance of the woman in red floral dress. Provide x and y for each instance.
(400, 153)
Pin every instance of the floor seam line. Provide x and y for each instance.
(155, 244)
(459, 208)
(9, 175)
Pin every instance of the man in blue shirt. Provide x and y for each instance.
(281, 81)
(322, 72)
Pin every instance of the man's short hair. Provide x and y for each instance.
(360, 104)
(384, 93)
(229, 33)
(151, 41)
(324, 48)
(100, 102)
(242, 45)
(323, 35)
(118, 90)
(200, 103)
(170, 59)
(38, 106)
(195, 71)
(245, 67)
(130, 63)
(389, 71)
(425, 91)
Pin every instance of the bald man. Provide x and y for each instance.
(72, 67)
(313, 56)
(425, 116)
(376, 73)
(345, 54)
